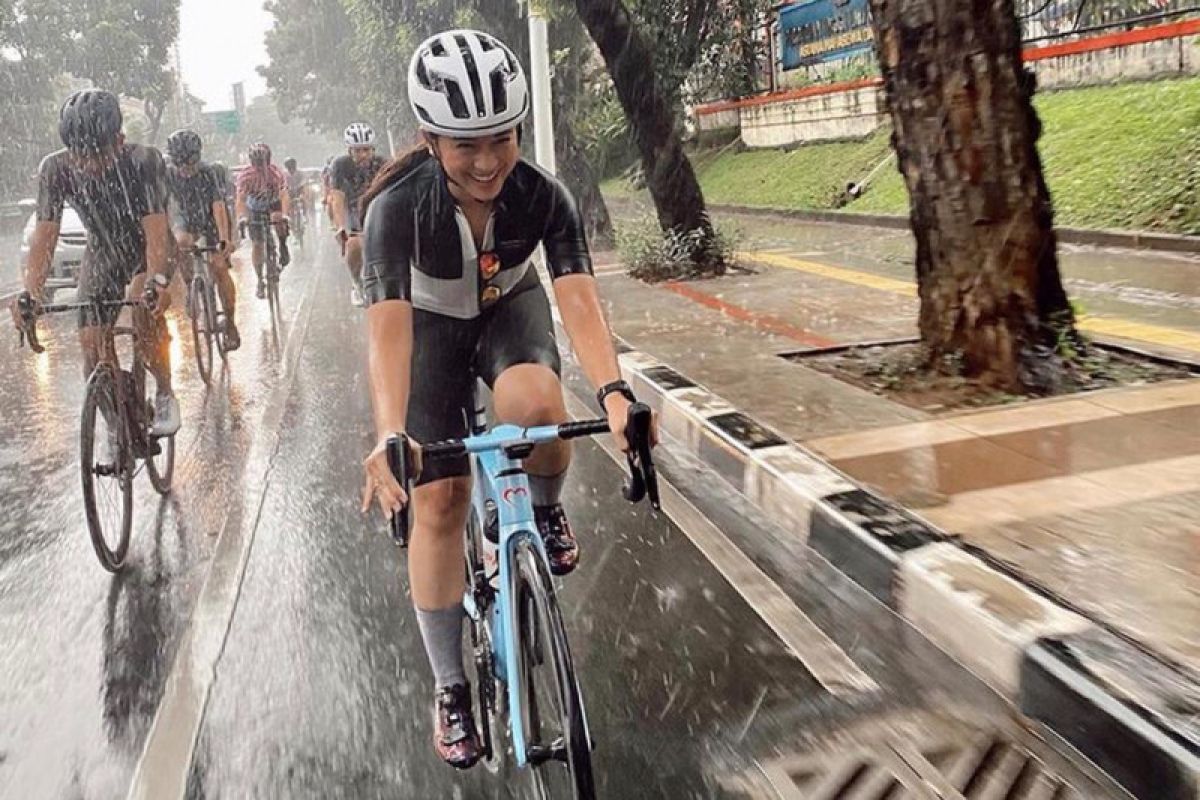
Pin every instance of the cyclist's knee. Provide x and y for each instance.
(529, 394)
(441, 506)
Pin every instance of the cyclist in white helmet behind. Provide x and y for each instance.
(350, 175)
(451, 229)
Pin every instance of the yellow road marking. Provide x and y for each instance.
(1106, 326)
(837, 273)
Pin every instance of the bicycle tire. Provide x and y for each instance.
(100, 403)
(539, 622)
(160, 468)
(217, 319)
(202, 334)
(487, 693)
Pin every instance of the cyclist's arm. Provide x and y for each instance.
(42, 242)
(221, 217)
(389, 348)
(285, 197)
(583, 318)
(154, 221)
(387, 256)
(338, 198)
(158, 232)
(44, 239)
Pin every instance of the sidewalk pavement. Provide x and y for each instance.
(1052, 546)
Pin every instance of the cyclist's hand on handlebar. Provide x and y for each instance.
(381, 484)
(23, 308)
(617, 407)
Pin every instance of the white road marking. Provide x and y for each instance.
(166, 760)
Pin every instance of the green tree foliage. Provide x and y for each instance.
(121, 45)
(313, 74)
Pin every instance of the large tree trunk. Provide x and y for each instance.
(573, 168)
(965, 136)
(655, 126)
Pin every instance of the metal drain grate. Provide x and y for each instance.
(988, 769)
(943, 762)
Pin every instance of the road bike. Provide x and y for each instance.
(207, 313)
(271, 268)
(118, 414)
(525, 682)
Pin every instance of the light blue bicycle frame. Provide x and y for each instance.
(503, 481)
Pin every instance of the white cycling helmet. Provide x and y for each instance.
(467, 84)
(359, 134)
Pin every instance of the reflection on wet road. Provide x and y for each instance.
(322, 689)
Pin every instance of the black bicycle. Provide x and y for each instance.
(271, 268)
(207, 313)
(118, 414)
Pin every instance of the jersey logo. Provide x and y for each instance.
(489, 265)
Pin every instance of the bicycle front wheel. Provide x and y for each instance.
(552, 708)
(202, 330)
(106, 466)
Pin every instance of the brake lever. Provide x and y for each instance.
(400, 462)
(643, 479)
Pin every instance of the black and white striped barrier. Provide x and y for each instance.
(1130, 712)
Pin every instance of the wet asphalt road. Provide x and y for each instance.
(321, 688)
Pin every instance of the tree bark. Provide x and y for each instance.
(965, 133)
(655, 126)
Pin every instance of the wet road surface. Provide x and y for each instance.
(320, 686)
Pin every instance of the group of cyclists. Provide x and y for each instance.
(438, 243)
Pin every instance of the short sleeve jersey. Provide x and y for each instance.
(419, 247)
(192, 196)
(262, 186)
(346, 176)
(112, 203)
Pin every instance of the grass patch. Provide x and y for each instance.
(1125, 156)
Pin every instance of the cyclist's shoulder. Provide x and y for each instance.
(531, 181)
(144, 155)
(54, 164)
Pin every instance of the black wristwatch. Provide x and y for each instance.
(616, 386)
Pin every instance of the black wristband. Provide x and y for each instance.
(616, 386)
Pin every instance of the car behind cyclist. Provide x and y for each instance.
(450, 232)
(119, 191)
(262, 194)
(198, 212)
(349, 176)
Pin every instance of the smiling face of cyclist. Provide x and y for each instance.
(478, 167)
(362, 155)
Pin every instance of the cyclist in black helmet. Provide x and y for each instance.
(119, 191)
(198, 211)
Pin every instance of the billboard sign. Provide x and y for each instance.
(818, 31)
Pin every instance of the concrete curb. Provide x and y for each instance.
(1094, 237)
(1111, 700)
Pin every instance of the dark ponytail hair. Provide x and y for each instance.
(393, 171)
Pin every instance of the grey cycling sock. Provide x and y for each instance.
(546, 490)
(441, 630)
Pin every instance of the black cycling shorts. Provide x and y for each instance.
(103, 279)
(258, 222)
(449, 354)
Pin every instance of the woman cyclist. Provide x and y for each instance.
(451, 292)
